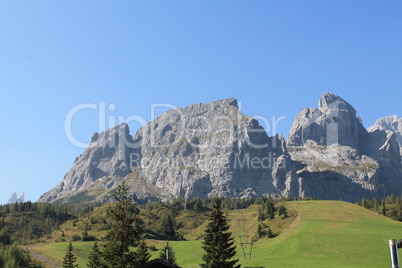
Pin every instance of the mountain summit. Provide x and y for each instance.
(342, 159)
(390, 123)
(334, 122)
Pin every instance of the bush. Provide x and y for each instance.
(89, 238)
(75, 238)
(270, 234)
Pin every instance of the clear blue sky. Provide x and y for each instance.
(275, 57)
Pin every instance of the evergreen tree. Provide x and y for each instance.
(142, 255)
(270, 234)
(270, 207)
(261, 215)
(95, 257)
(260, 232)
(282, 211)
(171, 258)
(168, 229)
(69, 259)
(218, 241)
(126, 231)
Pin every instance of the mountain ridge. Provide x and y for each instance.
(328, 154)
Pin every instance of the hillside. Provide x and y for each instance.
(330, 234)
(324, 234)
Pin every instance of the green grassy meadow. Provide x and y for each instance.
(323, 234)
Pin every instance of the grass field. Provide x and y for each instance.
(324, 234)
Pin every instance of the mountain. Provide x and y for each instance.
(213, 149)
(15, 199)
(341, 159)
(334, 122)
(202, 150)
(391, 123)
(100, 167)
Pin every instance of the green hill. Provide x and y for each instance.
(316, 234)
(330, 234)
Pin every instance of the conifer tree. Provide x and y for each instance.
(260, 233)
(95, 257)
(282, 211)
(218, 241)
(69, 259)
(142, 255)
(168, 230)
(170, 256)
(126, 231)
(270, 234)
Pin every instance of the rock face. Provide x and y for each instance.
(101, 159)
(342, 160)
(391, 123)
(202, 150)
(334, 122)
(206, 150)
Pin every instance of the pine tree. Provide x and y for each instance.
(142, 255)
(261, 215)
(168, 229)
(270, 206)
(125, 232)
(282, 211)
(218, 241)
(171, 258)
(384, 212)
(270, 234)
(69, 259)
(260, 232)
(95, 257)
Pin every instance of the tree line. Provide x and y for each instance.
(21, 223)
(391, 206)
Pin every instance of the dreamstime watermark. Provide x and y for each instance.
(227, 128)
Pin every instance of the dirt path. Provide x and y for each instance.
(44, 260)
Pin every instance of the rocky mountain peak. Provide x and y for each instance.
(327, 98)
(334, 122)
(341, 158)
(226, 102)
(331, 101)
(389, 123)
(106, 155)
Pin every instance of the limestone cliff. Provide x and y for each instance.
(202, 150)
(341, 159)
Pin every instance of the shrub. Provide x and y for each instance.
(89, 238)
(75, 238)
